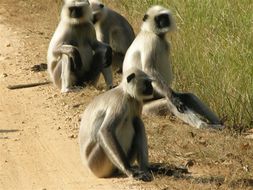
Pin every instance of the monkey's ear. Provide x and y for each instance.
(145, 18)
(130, 77)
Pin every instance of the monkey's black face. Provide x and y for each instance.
(162, 21)
(101, 6)
(98, 13)
(148, 88)
(96, 17)
(76, 12)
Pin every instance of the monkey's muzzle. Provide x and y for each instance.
(76, 11)
(148, 88)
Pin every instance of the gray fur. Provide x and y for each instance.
(150, 52)
(74, 48)
(112, 134)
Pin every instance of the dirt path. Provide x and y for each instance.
(37, 152)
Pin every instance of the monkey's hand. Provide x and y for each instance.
(143, 176)
(73, 53)
(179, 104)
(67, 49)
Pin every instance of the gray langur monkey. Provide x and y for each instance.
(112, 134)
(75, 56)
(150, 53)
(113, 29)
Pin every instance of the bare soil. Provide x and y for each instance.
(39, 126)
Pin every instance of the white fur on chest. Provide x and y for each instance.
(99, 33)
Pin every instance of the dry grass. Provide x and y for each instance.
(211, 52)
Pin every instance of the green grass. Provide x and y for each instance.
(212, 51)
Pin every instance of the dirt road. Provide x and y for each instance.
(37, 151)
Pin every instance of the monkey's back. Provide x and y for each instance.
(95, 112)
(121, 33)
(116, 105)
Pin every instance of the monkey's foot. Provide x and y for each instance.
(143, 176)
(212, 126)
(168, 170)
(71, 89)
(179, 104)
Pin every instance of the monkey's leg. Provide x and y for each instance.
(73, 53)
(95, 69)
(141, 147)
(63, 75)
(117, 61)
(141, 144)
(106, 59)
(68, 77)
(98, 162)
(107, 73)
(71, 64)
(189, 117)
(195, 104)
(100, 63)
(139, 150)
(108, 141)
(57, 74)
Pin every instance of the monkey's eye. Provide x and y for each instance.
(101, 6)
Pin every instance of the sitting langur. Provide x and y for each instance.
(113, 29)
(112, 134)
(150, 52)
(74, 55)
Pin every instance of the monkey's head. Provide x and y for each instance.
(76, 11)
(158, 20)
(98, 11)
(137, 84)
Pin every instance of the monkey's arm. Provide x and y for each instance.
(141, 143)
(72, 52)
(159, 84)
(107, 139)
(148, 61)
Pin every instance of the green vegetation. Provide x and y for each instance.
(212, 51)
